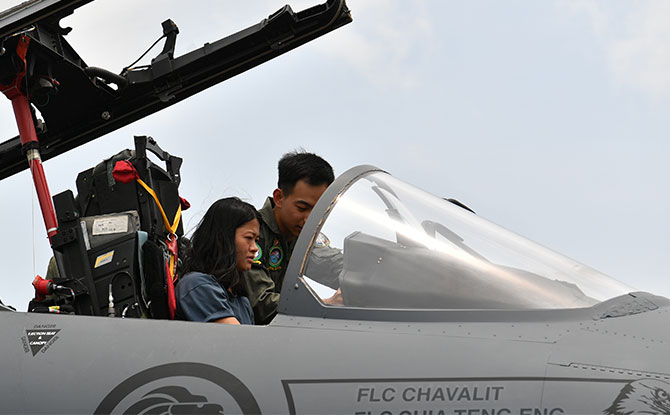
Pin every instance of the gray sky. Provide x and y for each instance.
(546, 117)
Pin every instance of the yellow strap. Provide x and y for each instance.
(173, 268)
(172, 228)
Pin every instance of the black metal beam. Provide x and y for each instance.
(86, 107)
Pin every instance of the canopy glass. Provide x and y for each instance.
(386, 244)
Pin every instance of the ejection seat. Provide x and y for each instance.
(117, 246)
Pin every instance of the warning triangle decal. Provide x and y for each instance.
(39, 338)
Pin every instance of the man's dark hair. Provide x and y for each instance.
(213, 242)
(300, 165)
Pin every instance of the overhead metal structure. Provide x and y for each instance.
(80, 103)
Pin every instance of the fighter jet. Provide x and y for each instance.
(441, 311)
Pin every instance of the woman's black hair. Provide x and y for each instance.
(213, 242)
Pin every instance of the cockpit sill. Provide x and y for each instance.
(625, 305)
(621, 306)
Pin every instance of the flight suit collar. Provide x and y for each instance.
(268, 216)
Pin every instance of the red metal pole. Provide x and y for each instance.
(24, 120)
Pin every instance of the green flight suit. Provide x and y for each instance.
(264, 279)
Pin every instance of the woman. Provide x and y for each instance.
(222, 248)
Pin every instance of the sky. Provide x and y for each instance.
(546, 117)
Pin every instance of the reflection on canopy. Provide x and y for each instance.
(394, 246)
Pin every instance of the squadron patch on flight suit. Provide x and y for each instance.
(275, 257)
(259, 254)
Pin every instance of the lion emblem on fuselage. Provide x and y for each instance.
(646, 396)
(172, 400)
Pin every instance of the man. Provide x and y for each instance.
(303, 177)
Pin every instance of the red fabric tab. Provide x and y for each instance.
(172, 300)
(124, 172)
(184, 203)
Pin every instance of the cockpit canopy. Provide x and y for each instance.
(382, 243)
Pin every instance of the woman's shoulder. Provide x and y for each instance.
(195, 279)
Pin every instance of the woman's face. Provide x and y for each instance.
(246, 236)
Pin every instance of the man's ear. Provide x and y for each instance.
(278, 197)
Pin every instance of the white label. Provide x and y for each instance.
(109, 225)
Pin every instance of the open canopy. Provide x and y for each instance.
(80, 103)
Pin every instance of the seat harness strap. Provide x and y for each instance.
(125, 172)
